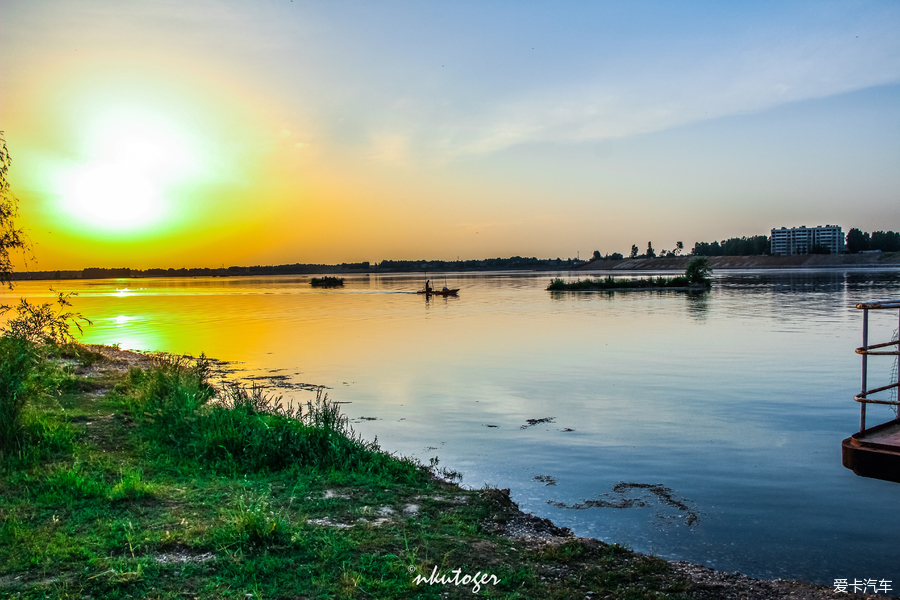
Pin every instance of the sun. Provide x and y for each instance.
(131, 160)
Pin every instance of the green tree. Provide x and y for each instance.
(634, 251)
(597, 255)
(35, 323)
(12, 238)
(679, 248)
(886, 241)
(857, 241)
(698, 271)
(650, 251)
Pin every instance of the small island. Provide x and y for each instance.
(327, 281)
(696, 277)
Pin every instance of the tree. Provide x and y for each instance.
(597, 255)
(650, 252)
(12, 238)
(886, 241)
(634, 251)
(679, 248)
(39, 323)
(42, 324)
(857, 241)
(698, 270)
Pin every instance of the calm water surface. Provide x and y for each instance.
(701, 427)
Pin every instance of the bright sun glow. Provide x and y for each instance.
(131, 159)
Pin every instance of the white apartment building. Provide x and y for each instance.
(800, 240)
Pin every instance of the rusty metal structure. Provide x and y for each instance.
(875, 452)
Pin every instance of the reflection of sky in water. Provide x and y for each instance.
(736, 400)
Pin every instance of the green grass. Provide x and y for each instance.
(155, 485)
(696, 276)
(611, 283)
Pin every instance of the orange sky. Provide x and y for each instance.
(156, 135)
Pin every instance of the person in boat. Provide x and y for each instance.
(427, 286)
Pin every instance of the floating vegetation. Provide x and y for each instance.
(327, 281)
(282, 382)
(621, 497)
(696, 276)
(533, 422)
(545, 479)
(611, 283)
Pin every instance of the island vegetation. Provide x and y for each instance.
(327, 281)
(696, 276)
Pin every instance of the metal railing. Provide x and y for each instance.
(866, 350)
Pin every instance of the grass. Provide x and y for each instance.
(327, 281)
(152, 484)
(696, 276)
(611, 283)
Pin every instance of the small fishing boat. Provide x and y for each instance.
(441, 292)
(430, 291)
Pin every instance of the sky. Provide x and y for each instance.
(209, 133)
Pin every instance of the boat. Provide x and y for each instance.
(443, 292)
(430, 291)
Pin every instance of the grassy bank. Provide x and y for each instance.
(125, 476)
(147, 482)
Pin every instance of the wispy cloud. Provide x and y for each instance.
(751, 79)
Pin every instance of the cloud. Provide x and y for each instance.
(754, 79)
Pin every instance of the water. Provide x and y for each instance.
(731, 405)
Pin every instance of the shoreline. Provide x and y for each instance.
(541, 536)
(861, 262)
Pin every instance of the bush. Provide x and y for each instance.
(698, 271)
(246, 430)
(18, 360)
(557, 284)
(258, 523)
(43, 324)
(326, 281)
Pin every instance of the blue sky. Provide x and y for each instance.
(441, 129)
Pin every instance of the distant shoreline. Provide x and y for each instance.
(882, 260)
(889, 260)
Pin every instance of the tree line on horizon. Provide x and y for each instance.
(737, 246)
(761, 245)
(861, 241)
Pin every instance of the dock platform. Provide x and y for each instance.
(875, 452)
